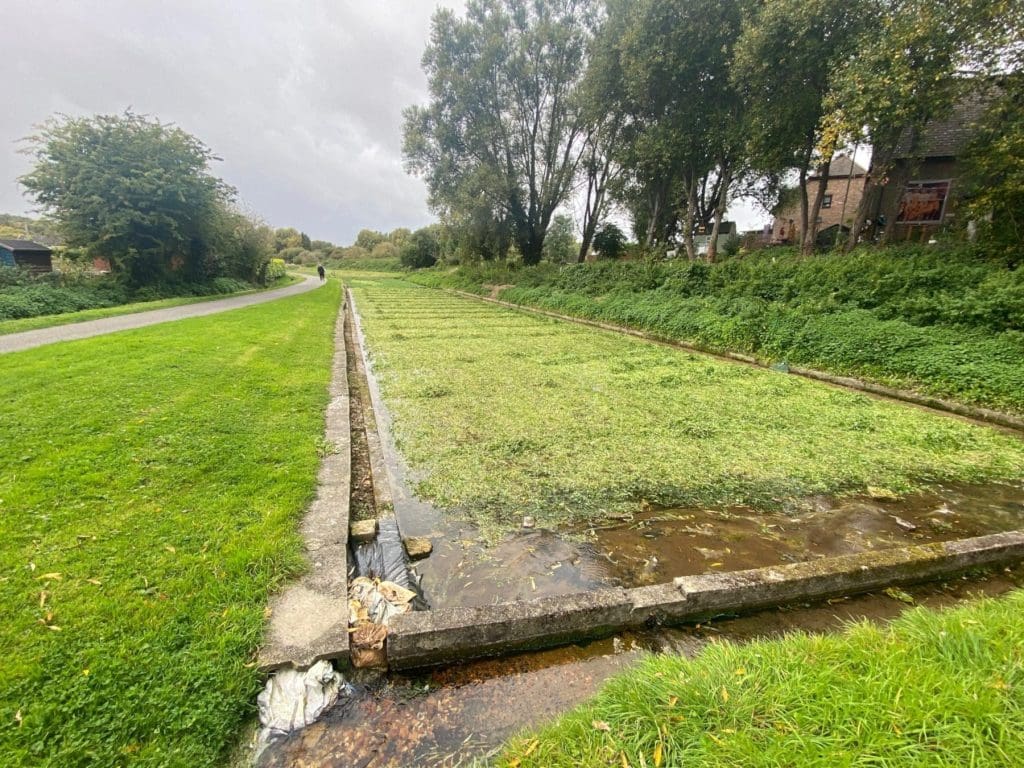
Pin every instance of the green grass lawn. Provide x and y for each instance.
(150, 487)
(506, 414)
(49, 321)
(931, 689)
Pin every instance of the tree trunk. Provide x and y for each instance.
(811, 234)
(804, 212)
(720, 206)
(688, 220)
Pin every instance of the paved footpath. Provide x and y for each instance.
(14, 342)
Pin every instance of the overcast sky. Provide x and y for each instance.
(302, 100)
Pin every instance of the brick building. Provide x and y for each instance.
(838, 208)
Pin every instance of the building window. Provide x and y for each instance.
(826, 200)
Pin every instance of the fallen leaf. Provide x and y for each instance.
(673, 701)
(95, 582)
(601, 725)
(741, 672)
(42, 598)
(657, 755)
(625, 762)
(170, 549)
(18, 718)
(51, 576)
(533, 745)
(725, 694)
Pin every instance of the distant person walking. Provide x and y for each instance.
(320, 271)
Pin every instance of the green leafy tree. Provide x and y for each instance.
(560, 245)
(785, 65)
(684, 147)
(610, 242)
(129, 189)
(367, 239)
(910, 66)
(994, 170)
(422, 249)
(287, 237)
(503, 126)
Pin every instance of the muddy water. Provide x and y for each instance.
(657, 545)
(454, 715)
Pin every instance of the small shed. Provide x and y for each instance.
(27, 255)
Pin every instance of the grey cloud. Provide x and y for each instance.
(301, 100)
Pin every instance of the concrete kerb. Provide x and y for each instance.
(309, 619)
(972, 413)
(444, 636)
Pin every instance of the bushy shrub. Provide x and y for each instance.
(275, 270)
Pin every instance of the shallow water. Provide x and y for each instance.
(660, 544)
(451, 716)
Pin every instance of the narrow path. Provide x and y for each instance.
(15, 342)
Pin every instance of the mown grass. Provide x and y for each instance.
(151, 482)
(931, 689)
(505, 414)
(947, 322)
(49, 321)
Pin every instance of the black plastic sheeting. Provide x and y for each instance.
(384, 558)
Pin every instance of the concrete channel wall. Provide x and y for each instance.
(984, 415)
(445, 636)
(309, 619)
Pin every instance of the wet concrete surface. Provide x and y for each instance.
(453, 716)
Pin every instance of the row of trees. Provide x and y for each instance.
(670, 110)
(139, 193)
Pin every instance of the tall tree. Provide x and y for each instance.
(686, 116)
(504, 122)
(785, 65)
(130, 189)
(915, 59)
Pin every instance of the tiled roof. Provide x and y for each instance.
(948, 137)
(23, 245)
(840, 168)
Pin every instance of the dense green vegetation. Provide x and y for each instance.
(507, 414)
(139, 193)
(948, 322)
(932, 688)
(46, 321)
(23, 295)
(669, 112)
(151, 482)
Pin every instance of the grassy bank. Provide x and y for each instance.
(947, 323)
(506, 414)
(49, 321)
(931, 689)
(151, 482)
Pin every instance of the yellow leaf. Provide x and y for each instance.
(673, 701)
(170, 549)
(601, 725)
(716, 565)
(54, 627)
(85, 672)
(533, 745)
(741, 672)
(95, 582)
(625, 762)
(515, 763)
(51, 576)
(725, 694)
(657, 755)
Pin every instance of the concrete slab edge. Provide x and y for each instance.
(973, 413)
(309, 619)
(451, 635)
